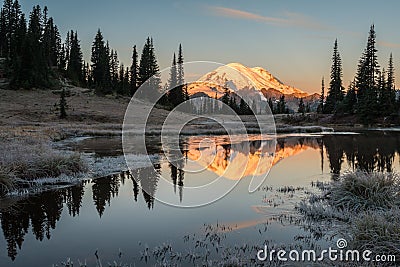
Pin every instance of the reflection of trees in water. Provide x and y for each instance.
(135, 187)
(334, 150)
(176, 165)
(15, 226)
(73, 198)
(104, 189)
(177, 175)
(148, 179)
(368, 152)
(41, 213)
(321, 151)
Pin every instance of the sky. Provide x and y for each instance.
(292, 39)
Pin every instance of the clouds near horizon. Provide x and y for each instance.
(288, 19)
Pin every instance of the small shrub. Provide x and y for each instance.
(362, 191)
(377, 231)
(29, 159)
(6, 181)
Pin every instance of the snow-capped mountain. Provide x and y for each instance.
(236, 76)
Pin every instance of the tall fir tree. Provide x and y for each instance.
(271, 106)
(115, 71)
(335, 92)
(173, 92)
(51, 40)
(101, 64)
(320, 108)
(182, 94)
(63, 106)
(281, 107)
(134, 81)
(176, 83)
(33, 69)
(244, 108)
(302, 108)
(10, 17)
(120, 80)
(366, 81)
(75, 59)
(19, 41)
(149, 72)
(350, 100)
(387, 100)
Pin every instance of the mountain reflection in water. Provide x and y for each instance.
(41, 213)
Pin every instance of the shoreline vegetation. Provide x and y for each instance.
(28, 162)
(30, 117)
(363, 207)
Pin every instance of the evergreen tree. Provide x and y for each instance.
(350, 100)
(244, 108)
(177, 94)
(117, 74)
(63, 105)
(33, 69)
(173, 93)
(390, 74)
(149, 71)
(101, 64)
(75, 59)
(119, 80)
(271, 105)
(10, 17)
(15, 19)
(134, 72)
(216, 106)
(51, 41)
(301, 108)
(19, 41)
(67, 49)
(225, 99)
(127, 84)
(281, 107)
(335, 92)
(107, 60)
(308, 108)
(366, 81)
(387, 99)
(320, 108)
(3, 28)
(182, 93)
(180, 70)
(85, 74)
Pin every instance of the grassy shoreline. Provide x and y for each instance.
(365, 207)
(26, 160)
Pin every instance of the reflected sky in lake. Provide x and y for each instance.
(115, 212)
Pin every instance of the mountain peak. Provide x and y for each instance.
(241, 77)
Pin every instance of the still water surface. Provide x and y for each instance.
(113, 214)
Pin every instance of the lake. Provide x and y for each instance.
(115, 217)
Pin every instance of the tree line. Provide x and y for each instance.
(36, 57)
(370, 95)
